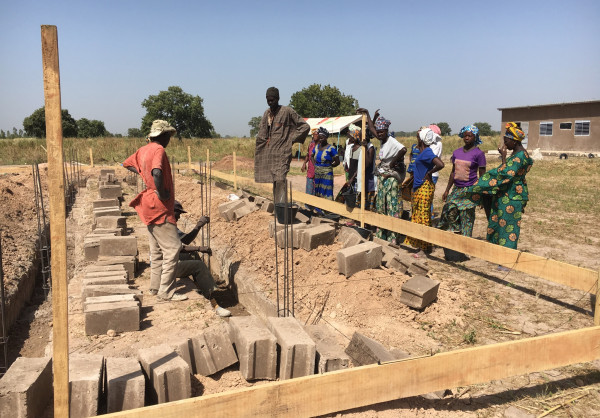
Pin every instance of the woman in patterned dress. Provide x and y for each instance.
(324, 157)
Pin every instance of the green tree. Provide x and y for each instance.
(2, 134)
(135, 133)
(485, 129)
(315, 101)
(445, 128)
(35, 124)
(182, 110)
(90, 128)
(254, 125)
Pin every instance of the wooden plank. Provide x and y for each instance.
(234, 172)
(368, 385)
(58, 226)
(91, 158)
(189, 157)
(597, 304)
(546, 268)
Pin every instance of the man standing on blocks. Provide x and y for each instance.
(280, 128)
(155, 206)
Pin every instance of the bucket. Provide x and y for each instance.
(451, 255)
(280, 211)
(350, 199)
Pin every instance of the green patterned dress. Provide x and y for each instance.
(508, 188)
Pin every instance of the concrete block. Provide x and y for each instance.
(110, 290)
(256, 348)
(103, 203)
(330, 356)
(113, 211)
(399, 354)
(364, 350)
(272, 228)
(85, 384)
(26, 387)
(108, 299)
(183, 347)
(244, 210)
(104, 231)
(213, 350)
(105, 280)
(226, 209)
(293, 231)
(118, 246)
(259, 201)
(118, 316)
(349, 237)
(125, 384)
(129, 262)
(364, 256)
(168, 374)
(268, 206)
(317, 220)
(419, 292)
(399, 264)
(113, 272)
(418, 268)
(297, 349)
(106, 171)
(91, 250)
(95, 268)
(300, 217)
(111, 222)
(319, 235)
(110, 191)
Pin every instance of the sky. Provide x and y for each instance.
(420, 62)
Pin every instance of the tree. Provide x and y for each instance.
(485, 129)
(2, 134)
(35, 124)
(135, 133)
(254, 125)
(445, 128)
(90, 128)
(182, 110)
(316, 101)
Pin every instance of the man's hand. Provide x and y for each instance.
(165, 196)
(202, 221)
(205, 250)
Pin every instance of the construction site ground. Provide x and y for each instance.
(476, 305)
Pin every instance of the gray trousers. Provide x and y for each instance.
(279, 191)
(195, 268)
(164, 254)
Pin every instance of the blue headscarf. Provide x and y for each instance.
(474, 130)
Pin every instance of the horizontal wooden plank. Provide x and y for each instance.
(546, 268)
(368, 385)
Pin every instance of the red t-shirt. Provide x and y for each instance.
(151, 209)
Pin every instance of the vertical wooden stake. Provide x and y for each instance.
(234, 172)
(58, 227)
(207, 157)
(597, 305)
(189, 158)
(91, 158)
(363, 165)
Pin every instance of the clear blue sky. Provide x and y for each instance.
(419, 61)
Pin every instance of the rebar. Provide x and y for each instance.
(209, 204)
(4, 337)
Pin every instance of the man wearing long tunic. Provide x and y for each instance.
(280, 128)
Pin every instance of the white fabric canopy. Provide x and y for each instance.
(334, 124)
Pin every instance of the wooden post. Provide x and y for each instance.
(363, 165)
(189, 158)
(58, 227)
(234, 172)
(207, 156)
(597, 305)
(91, 159)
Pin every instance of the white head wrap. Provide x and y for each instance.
(427, 136)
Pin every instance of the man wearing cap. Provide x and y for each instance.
(155, 207)
(280, 128)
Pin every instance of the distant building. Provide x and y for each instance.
(559, 126)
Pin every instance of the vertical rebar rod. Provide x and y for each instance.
(292, 229)
(209, 203)
(3, 313)
(276, 259)
(44, 247)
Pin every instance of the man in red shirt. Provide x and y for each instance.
(155, 206)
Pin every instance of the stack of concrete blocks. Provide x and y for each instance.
(297, 351)
(236, 209)
(116, 224)
(125, 384)
(419, 292)
(264, 204)
(256, 348)
(330, 356)
(364, 350)
(107, 177)
(85, 384)
(168, 375)
(26, 387)
(349, 237)
(305, 236)
(367, 255)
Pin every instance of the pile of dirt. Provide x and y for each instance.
(226, 163)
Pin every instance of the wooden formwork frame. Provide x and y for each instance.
(341, 390)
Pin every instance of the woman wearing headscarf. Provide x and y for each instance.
(508, 188)
(325, 157)
(352, 142)
(390, 173)
(468, 163)
(308, 164)
(426, 163)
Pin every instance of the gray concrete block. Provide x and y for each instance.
(319, 235)
(317, 220)
(297, 349)
(168, 374)
(272, 228)
(106, 231)
(268, 206)
(91, 250)
(364, 350)
(110, 290)
(110, 191)
(213, 350)
(125, 384)
(111, 222)
(118, 316)
(330, 355)
(256, 348)
(183, 347)
(367, 255)
(293, 231)
(85, 384)
(104, 203)
(419, 292)
(114, 211)
(118, 246)
(242, 211)
(418, 268)
(106, 171)
(105, 280)
(226, 209)
(26, 388)
(302, 218)
(399, 264)
(349, 237)
(108, 299)
(129, 262)
(95, 268)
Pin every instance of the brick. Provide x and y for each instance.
(103, 203)
(110, 290)
(319, 235)
(110, 191)
(399, 264)
(364, 256)
(118, 246)
(105, 280)
(213, 350)
(85, 384)
(111, 222)
(256, 348)
(292, 231)
(168, 374)
(349, 237)
(226, 209)
(129, 262)
(91, 250)
(297, 349)
(419, 292)
(118, 316)
(114, 211)
(125, 384)
(330, 356)
(242, 211)
(26, 387)
(364, 350)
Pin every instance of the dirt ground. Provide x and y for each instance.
(477, 305)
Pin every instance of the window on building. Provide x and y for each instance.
(546, 128)
(566, 125)
(582, 128)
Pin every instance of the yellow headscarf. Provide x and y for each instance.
(514, 132)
